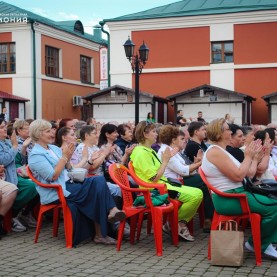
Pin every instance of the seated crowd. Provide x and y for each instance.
(159, 154)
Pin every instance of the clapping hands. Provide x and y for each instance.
(14, 139)
(199, 156)
(168, 153)
(254, 149)
(27, 142)
(129, 149)
(68, 150)
(267, 148)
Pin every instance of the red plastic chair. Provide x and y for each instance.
(68, 225)
(176, 203)
(161, 187)
(119, 174)
(255, 219)
(120, 177)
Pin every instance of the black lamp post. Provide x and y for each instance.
(137, 63)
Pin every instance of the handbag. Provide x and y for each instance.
(105, 168)
(22, 172)
(174, 182)
(267, 187)
(77, 175)
(157, 199)
(227, 245)
(173, 194)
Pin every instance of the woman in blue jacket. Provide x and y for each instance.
(90, 202)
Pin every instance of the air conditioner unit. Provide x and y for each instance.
(77, 101)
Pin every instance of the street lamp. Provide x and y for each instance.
(137, 63)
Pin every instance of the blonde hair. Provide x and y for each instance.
(215, 129)
(19, 124)
(36, 127)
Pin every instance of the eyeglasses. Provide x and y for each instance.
(225, 129)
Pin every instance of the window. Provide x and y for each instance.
(222, 52)
(7, 58)
(78, 27)
(51, 61)
(85, 69)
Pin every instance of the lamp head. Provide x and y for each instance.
(143, 52)
(129, 48)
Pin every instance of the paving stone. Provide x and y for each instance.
(19, 256)
(209, 274)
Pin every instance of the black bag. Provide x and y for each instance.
(267, 187)
(105, 168)
(174, 182)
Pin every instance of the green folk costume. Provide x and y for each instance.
(146, 165)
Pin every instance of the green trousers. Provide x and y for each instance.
(268, 213)
(26, 192)
(196, 182)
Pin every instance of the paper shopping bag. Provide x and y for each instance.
(227, 245)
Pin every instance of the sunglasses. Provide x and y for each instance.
(147, 124)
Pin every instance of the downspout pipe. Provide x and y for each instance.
(102, 23)
(34, 69)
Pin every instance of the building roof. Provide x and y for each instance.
(90, 96)
(268, 96)
(200, 7)
(8, 96)
(209, 88)
(11, 11)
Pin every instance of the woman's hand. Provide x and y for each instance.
(14, 140)
(27, 142)
(259, 156)
(167, 154)
(109, 149)
(129, 150)
(198, 158)
(174, 151)
(253, 148)
(268, 148)
(2, 171)
(68, 150)
(95, 155)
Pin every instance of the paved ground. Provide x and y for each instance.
(19, 256)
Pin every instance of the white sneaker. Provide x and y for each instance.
(249, 247)
(28, 220)
(126, 232)
(271, 252)
(183, 232)
(17, 226)
(166, 228)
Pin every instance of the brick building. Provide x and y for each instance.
(227, 44)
